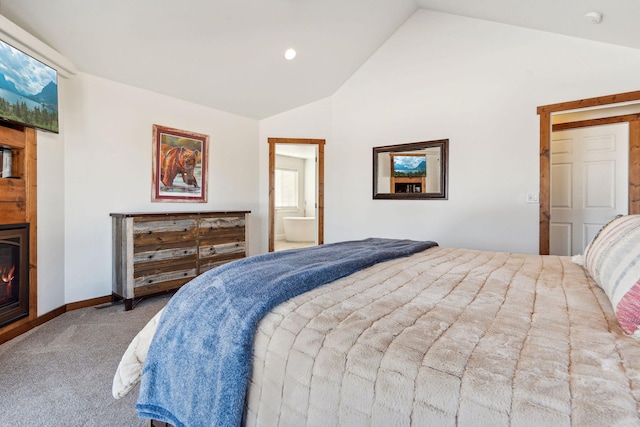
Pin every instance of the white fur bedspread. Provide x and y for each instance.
(448, 337)
(444, 337)
(130, 367)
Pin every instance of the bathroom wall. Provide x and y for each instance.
(310, 189)
(288, 162)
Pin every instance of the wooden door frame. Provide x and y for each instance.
(272, 183)
(546, 128)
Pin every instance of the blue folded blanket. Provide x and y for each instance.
(198, 366)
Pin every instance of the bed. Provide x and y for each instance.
(440, 336)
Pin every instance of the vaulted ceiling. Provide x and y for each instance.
(229, 54)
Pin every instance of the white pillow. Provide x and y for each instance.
(613, 260)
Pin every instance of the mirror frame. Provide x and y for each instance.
(442, 194)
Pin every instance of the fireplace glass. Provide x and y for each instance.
(14, 272)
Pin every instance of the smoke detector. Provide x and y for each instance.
(593, 17)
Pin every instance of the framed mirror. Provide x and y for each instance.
(417, 170)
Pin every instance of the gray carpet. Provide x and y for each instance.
(60, 373)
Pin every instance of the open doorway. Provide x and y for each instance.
(600, 110)
(296, 193)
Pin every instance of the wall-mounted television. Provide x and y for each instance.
(28, 90)
(409, 165)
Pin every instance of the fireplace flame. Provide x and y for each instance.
(7, 276)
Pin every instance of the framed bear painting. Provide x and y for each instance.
(179, 165)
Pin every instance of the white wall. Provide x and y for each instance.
(50, 211)
(476, 83)
(107, 161)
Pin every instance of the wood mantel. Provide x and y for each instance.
(18, 204)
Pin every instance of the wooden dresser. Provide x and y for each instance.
(159, 252)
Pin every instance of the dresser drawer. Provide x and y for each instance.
(155, 253)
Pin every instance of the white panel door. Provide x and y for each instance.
(589, 184)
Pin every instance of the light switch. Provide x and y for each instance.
(532, 198)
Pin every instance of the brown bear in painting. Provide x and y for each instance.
(178, 160)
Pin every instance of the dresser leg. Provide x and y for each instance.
(128, 304)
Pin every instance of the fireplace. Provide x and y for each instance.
(14, 272)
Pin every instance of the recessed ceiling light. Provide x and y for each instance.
(593, 17)
(290, 54)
